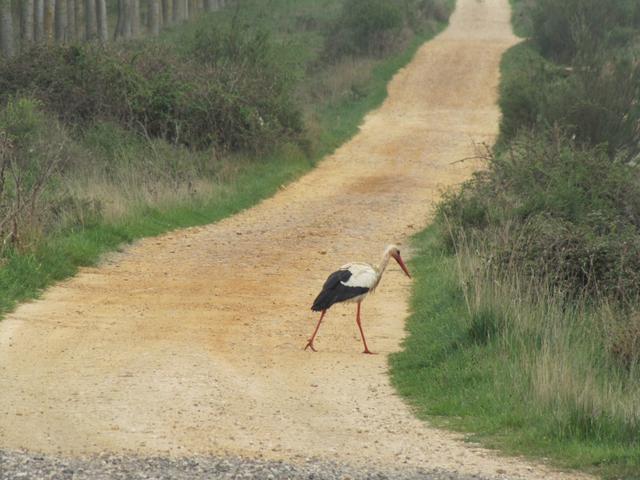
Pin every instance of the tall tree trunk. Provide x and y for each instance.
(38, 20)
(26, 15)
(193, 8)
(71, 20)
(167, 12)
(135, 18)
(61, 20)
(120, 21)
(154, 17)
(6, 29)
(128, 18)
(49, 20)
(178, 11)
(79, 11)
(103, 21)
(90, 25)
(124, 25)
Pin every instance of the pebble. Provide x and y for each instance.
(21, 464)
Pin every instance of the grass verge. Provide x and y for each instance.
(460, 370)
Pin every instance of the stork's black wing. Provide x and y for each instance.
(334, 291)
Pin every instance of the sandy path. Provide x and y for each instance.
(191, 343)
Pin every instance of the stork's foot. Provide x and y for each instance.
(369, 352)
(310, 345)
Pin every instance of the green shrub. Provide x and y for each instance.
(366, 27)
(34, 150)
(239, 101)
(596, 104)
(522, 96)
(82, 84)
(250, 95)
(563, 29)
(375, 27)
(561, 197)
(599, 105)
(438, 10)
(551, 208)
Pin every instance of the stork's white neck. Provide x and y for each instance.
(384, 262)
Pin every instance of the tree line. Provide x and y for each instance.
(26, 22)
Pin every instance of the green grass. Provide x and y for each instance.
(458, 371)
(23, 276)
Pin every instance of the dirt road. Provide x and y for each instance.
(191, 343)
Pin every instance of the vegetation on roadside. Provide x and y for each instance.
(526, 326)
(515, 366)
(101, 145)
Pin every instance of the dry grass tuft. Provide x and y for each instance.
(565, 357)
(347, 78)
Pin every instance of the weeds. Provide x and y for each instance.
(31, 153)
(376, 27)
(556, 347)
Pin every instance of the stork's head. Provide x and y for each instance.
(394, 252)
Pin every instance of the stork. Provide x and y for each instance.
(352, 283)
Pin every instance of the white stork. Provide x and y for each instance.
(352, 283)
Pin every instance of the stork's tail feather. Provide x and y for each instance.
(323, 301)
(327, 298)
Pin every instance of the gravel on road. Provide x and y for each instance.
(25, 465)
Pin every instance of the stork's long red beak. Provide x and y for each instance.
(398, 259)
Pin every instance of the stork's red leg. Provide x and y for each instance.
(366, 349)
(310, 342)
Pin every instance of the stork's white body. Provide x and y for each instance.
(363, 275)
